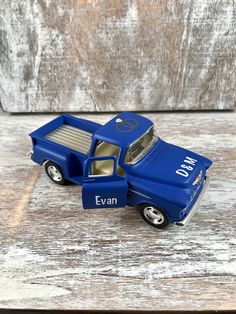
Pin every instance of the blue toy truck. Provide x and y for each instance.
(123, 163)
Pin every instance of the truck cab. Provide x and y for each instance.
(124, 162)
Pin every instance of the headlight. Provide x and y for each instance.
(198, 178)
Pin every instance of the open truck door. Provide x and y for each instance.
(102, 187)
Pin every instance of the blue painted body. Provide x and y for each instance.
(153, 180)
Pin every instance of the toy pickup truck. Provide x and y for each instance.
(123, 163)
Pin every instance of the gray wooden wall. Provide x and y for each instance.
(106, 55)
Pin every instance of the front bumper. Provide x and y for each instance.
(194, 208)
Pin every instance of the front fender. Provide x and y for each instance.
(171, 199)
(205, 161)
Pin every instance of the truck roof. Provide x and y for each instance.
(123, 129)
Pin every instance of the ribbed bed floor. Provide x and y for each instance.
(71, 137)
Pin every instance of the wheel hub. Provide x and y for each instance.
(54, 173)
(153, 215)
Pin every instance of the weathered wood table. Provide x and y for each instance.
(55, 255)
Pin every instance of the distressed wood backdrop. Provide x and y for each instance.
(91, 55)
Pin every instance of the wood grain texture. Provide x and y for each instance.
(55, 255)
(89, 55)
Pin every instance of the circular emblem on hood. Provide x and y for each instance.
(126, 125)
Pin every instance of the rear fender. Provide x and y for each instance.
(42, 154)
(61, 163)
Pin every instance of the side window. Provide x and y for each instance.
(102, 168)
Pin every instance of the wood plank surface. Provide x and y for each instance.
(89, 55)
(55, 255)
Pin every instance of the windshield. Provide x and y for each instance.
(141, 146)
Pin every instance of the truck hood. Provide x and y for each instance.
(170, 164)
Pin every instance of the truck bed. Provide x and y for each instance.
(68, 131)
(71, 137)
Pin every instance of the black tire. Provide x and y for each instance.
(154, 216)
(55, 173)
